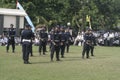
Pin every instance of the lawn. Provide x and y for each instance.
(105, 65)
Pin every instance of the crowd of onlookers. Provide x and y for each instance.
(109, 39)
(3, 40)
(102, 39)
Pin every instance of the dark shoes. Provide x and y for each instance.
(31, 55)
(27, 62)
(62, 56)
(8, 51)
(86, 57)
(13, 51)
(43, 53)
(58, 60)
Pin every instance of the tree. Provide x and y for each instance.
(104, 14)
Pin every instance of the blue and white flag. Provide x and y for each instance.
(19, 6)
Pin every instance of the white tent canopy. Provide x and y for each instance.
(14, 12)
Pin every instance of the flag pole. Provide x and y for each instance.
(90, 23)
(19, 6)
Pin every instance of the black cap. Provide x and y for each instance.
(27, 25)
(11, 25)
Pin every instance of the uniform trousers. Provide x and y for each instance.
(67, 46)
(11, 42)
(55, 48)
(42, 45)
(92, 50)
(86, 49)
(25, 49)
(62, 49)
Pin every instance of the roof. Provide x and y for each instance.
(14, 12)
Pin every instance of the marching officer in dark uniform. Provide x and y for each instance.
(50, 37)
(93, 43)
(68, 40)
(46, 40)
(43, 40)
(31, 49)
(87, 44)
(63, 42)
(55, 44)
(11, 38)
(26, 37)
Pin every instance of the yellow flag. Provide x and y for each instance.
(87, 18)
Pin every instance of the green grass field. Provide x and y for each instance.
(104, 66)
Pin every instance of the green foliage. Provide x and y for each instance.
(7, 3)
(104, 13)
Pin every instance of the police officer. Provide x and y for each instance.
(43, 40)
(11, 38)
(68, 40)
(26, 37)
(31, 49)
(51, 33)
(93, 43)
(63, 41)
(46, 40)
(55, 44)
(87, 44)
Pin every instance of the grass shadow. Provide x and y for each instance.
(72, 59)
(40, 62)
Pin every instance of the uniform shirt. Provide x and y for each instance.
(68, 36)
(55, 37)
(93, 39)
(63, 36)
(11, 33)
(27, 34)
(43, 35)
(87, 37)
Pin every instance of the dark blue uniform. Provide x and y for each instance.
(55, 45)
(50, 38)
(11, 39)
(26, 37)
(68, 40)
(87, 44)
(31, 50)
(93, 43)
(63, 43)
(43, 41)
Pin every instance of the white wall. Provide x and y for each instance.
(21, 22)
(9, 20)
(12, 20)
